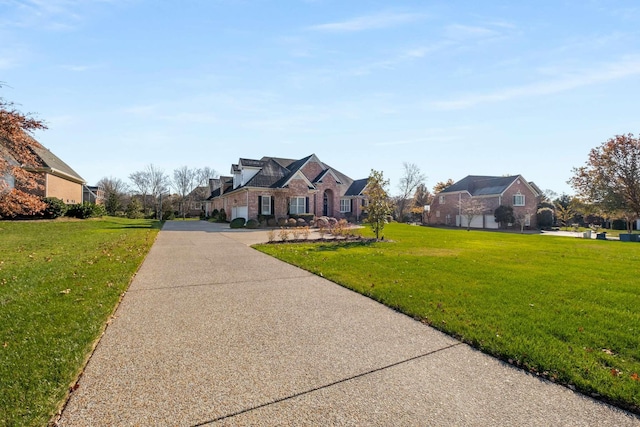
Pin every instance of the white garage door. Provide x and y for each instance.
(239, 212)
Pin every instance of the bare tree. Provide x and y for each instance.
(471, 208)
(141, 183)
(114, 191)
(184, 182)
(202, 181)
(158, 186)
(411, 179)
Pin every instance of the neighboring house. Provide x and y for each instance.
(277, 188)
(58, 179)
(198, 201)
(491, 192)
(93, 194)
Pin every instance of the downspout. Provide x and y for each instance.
(247, 218)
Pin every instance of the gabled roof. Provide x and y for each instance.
(276, 172)
(52, 164)
(481, 185)
(357, 187)
(271, 173)
(478, 185)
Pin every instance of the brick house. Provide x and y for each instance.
(57, 178)
(277, 188)
(491, 191)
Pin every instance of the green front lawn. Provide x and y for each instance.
(564, 308)
(59, 283)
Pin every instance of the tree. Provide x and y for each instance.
(202, 182)
(421, 199)
(442, 185)
(471, 208)
(114, 191)
(564, 214)
(504, 215)
(610, 177)
(379, 207)
(158, 186)
(411, 179)
(141, 183)
(18, 185)
(184, 181)
(523, 219)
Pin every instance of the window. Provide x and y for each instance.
(442, 200)
(265, 209)
(437, 214)
(518, 199)
(345, 205)
(297, 205)
(527, 220)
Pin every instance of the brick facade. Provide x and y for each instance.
(68, 191)
(445, 208)
(308, 178)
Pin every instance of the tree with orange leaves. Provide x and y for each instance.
(17, 185)
(610, 178)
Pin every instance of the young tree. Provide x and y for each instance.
(411, 179)
(379, 206)
(471, 208)
(564, 214)
(442, 185)
(16, 183)
(523, 218)
(610, 178)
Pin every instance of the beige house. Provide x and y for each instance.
(58, 179)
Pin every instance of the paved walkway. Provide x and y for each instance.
(212, 332)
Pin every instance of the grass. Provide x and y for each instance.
(562, 308)
(59, 283)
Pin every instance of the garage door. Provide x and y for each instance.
(239, 212)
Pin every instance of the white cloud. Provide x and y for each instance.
(368, 22)
(571, 80)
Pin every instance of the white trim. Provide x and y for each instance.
(262, 209)
(348, 203)
(304, 205)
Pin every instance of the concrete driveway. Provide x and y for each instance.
(212, 332)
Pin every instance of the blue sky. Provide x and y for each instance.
(456, 87)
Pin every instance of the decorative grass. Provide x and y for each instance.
(563, 308)
(59, 283)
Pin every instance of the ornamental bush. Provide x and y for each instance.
(253, 223)
(237, 223)
(55, 208)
